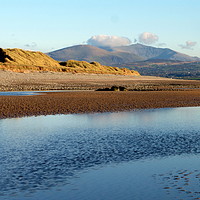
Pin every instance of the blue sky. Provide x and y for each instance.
(47, 25)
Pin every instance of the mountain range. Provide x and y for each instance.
(118, 55)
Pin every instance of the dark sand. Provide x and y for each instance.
(151, 92)
(93, 101)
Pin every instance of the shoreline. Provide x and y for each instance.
(76, 102)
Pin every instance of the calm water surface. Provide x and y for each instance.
(19, 93)
(149, 154)
(30, 93)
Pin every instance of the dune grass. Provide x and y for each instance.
(18, 60)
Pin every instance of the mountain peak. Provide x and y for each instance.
(118, 55)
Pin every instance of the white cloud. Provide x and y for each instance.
(108, 41)
(188, 45)
(148, 38)
(31, 45)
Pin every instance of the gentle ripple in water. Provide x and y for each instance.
(40, 153)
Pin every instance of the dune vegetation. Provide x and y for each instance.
(18, 60)
(95, 68)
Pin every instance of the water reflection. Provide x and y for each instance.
(20, 93)
(39, 153)
(27, 93)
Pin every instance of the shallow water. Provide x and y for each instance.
(19, 93)
(28, 93)
(149, 154)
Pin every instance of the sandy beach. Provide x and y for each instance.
(12, 81)
(147, 92)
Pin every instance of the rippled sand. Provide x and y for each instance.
(93, 101)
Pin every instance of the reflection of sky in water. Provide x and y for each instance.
(42, 153)
(18, 93)
(26, 93)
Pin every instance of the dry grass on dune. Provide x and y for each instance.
(26, 58)
(19, 60)
(95, 68)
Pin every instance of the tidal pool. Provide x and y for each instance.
(30, 93)
(19, 93)
(149, 155)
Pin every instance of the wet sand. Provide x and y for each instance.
(92, 101)
(147, 92)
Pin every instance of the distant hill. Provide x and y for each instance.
(146, 60)
(19, 60)
(166, 68)
(118, 55)
(148, 52)
(90, 53)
